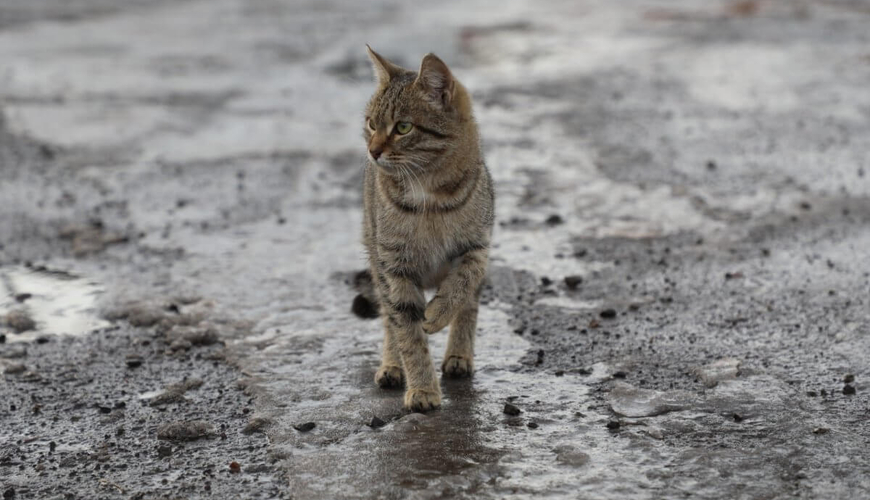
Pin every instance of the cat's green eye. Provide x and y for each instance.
(403, 128)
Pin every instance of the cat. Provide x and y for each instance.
(428, 212)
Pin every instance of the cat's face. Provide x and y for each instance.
(411, 119)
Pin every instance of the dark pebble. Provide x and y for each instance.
(105, 409)
(613, 425)
(364, 308)
(711, 165)
(560, 373)
(43, 340)
(164, 451)
(849, 378)
(554, 220)
(134, 361)
(21, 297)
(546, 281)
(737, 418)
(9, 493)
(532, 425)
(2, 338)
(572, 282)
(620, 375)
(307, 426)
(376, 422)
(608, 313)
(512, 410)
(733, 276)
(812, 394)
(235, 468)
(848, 389)
(821, 430)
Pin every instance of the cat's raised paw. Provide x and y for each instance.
(457, 367)
(437, 315)
(422, 400)
(388, 377)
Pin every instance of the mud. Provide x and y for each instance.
(677, 299)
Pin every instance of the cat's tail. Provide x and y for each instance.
(365, 305)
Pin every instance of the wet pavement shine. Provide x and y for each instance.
(677, 299)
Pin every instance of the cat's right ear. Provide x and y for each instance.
(384, 70)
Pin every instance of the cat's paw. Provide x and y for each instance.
(422, 399)
(457, 367)
(388, 377)
(438, 315)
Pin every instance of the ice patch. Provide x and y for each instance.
(58, 302)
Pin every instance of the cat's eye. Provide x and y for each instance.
(403, 128)
(370, 124)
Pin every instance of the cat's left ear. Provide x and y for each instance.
(435, 81)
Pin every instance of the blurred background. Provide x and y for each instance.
(679, 183)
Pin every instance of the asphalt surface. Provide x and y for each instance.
(677, 302)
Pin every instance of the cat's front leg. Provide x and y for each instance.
(459, 287)
(405, 312)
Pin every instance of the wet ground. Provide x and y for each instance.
(677, 304)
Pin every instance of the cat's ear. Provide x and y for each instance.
(384, 70)
(435, 81)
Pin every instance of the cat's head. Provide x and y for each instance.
(414, 117)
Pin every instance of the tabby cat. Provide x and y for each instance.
(428, 216)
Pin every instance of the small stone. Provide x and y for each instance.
(821, 430)
(133, 361)
(21, 297)
(42, 339)
(711, 165)
(376, 423)
(572, 282)
(737, 418)
(546, 281)
(613, 425)
(185, 430)
(620, 375)
(9, 493)
(511, 410)
(554, 220)
(19, 321)
(257, 424)
(608, 313)
(849, 378)
(235, 468)
(532, 425)
(812, 394)
(848, 390)
(2, 338)
(307, 426)
(105, 409)
(15, 369)
(569, 455)
(560, 373)
(734, 275)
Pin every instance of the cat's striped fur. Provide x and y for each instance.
(428, 216)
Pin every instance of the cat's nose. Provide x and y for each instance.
(376, 152)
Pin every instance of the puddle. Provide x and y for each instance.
(59, 303)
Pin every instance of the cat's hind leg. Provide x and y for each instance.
(390, 373)
(459, 356)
